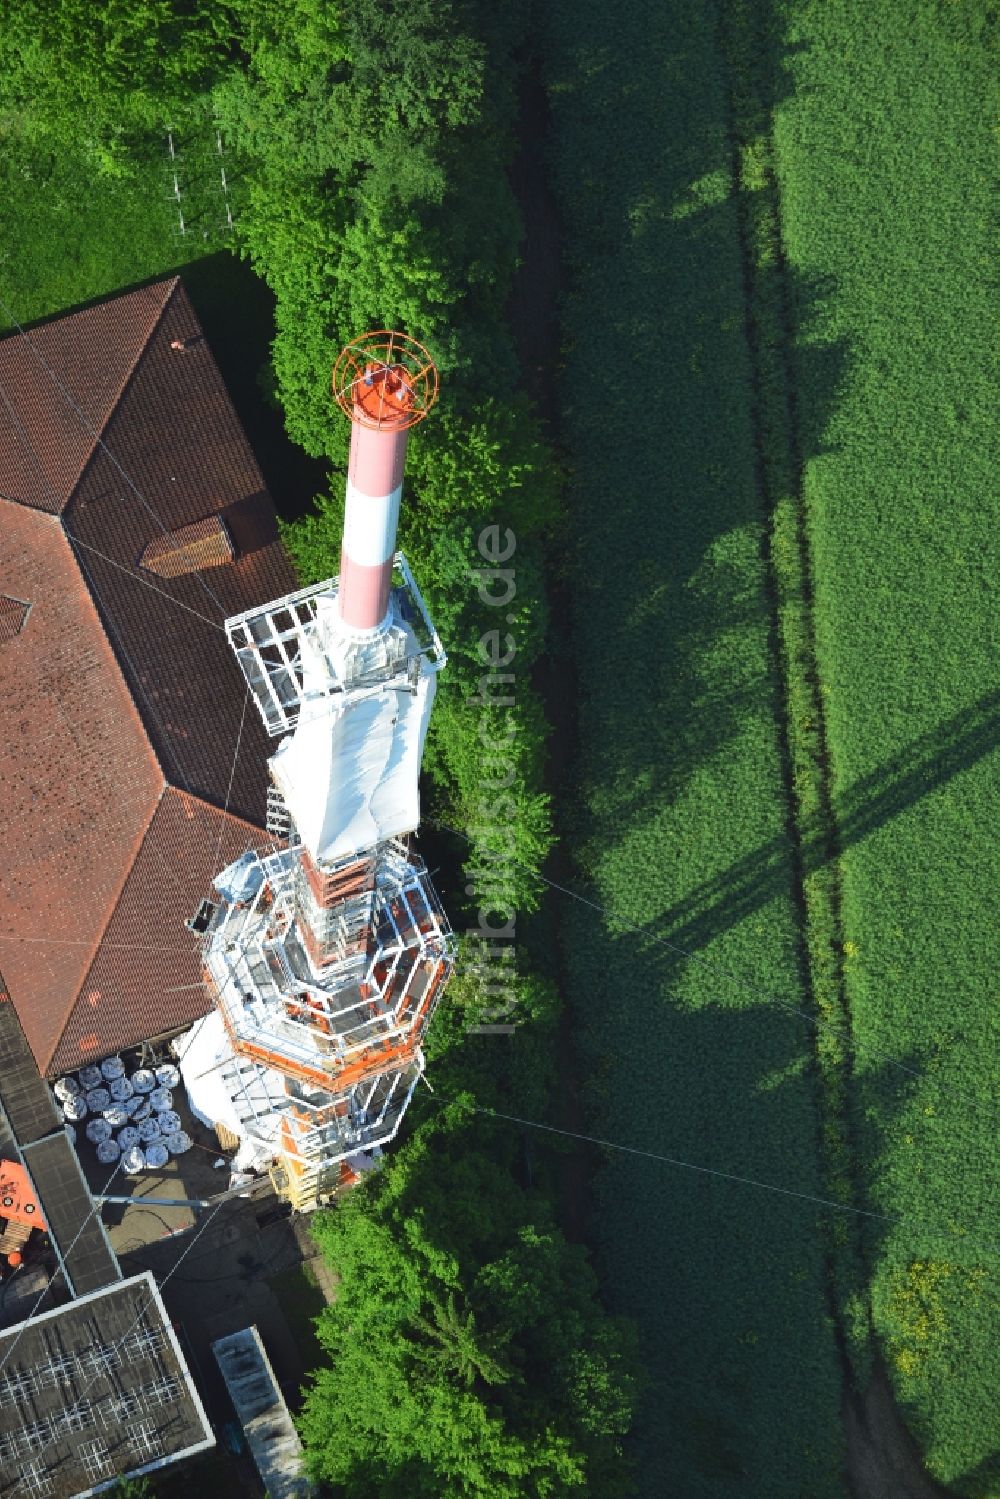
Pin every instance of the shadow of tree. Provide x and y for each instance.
(674, 652)
(983, 1481)
(656, 410)
(726, 1278)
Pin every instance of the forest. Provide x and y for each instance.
(755, 721)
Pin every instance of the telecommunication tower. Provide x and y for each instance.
(326, 958)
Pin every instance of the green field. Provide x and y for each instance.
(682, 822)
(777, 385)
(71, 234)
(884, 166)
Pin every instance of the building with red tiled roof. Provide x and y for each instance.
(133, 520)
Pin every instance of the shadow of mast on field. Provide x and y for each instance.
(901, 783)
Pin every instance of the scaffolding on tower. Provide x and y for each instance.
(326, 958)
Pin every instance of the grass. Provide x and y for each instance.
(71, 235)
(884, 170)
(751, 40)
(681, 822)
(808, 223)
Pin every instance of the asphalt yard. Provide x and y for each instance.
(222, 1265)
(239, 1269)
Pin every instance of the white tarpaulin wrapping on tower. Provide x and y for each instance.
(231, 1091)
(349, 775)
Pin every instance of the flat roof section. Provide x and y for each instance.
(31, 1132)
(95, 1391)
(8, 1140)
(26, 1099)
(265, 1417)
(75, 1225)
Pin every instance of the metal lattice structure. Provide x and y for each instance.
(295, 659)
(327, 958)
(385, 378)
(343, 1034)
(277, 1003)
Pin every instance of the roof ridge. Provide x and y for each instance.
(112, 908)
(170, 286)
(92, 597)
(23, 509)
(151, 750)
(194, 796)
(168, 790)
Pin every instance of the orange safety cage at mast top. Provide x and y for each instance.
(385, 379)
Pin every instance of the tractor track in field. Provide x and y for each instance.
(882, 1460)
(875, 1444)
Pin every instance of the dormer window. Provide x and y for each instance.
(13, 613)
(189, 549)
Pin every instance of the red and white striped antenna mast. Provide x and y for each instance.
(385, 383)
(327, 958)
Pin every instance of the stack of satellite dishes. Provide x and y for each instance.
(130, 1118)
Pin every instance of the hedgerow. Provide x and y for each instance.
(497, 1371)
(378, 141)
(468, 1353)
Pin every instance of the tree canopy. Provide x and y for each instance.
(468, 1353)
